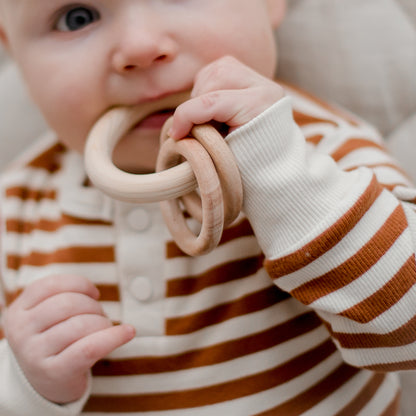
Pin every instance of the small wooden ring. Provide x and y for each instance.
(226, 168)
(211, 197)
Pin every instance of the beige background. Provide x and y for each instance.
(358, 53)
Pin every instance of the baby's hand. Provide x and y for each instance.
(57, 331)
(226, 91)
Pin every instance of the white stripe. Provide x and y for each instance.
(368, 283)
(104, 273)
(311, 108)
(229, 330)
(342, 396)
(365, 156)
(216, 295)
(391, 319)
(33, 178)
(237, 249)
(363, 231)
(112, 310)
(206, 376)
(33, 210)
(390, 176)
(324, 129)
(65, 237)
(362, 357)
(382, 398)
(42, 144)
(249, 405)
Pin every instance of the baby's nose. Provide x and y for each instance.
(141, 47)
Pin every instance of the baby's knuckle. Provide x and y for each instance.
(78, 325)
(52, 368)
(49, 284)
(66, 305)
(14, 329)
(209, 100)
(88, 352)
(228, 60)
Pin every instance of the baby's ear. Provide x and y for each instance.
(277, 11)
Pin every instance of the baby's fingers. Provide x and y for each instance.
(59, 337)
(84, 353)
(232, 107)
(61, 307)
(221, 106)
(226, 73)
(49, 286)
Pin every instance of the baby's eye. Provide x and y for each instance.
(76, 19)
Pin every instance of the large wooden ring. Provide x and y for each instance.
(102, 140)
(211, 197)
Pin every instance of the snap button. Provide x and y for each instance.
(138, 219)
(141, 288)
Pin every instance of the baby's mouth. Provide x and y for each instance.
(155, 121)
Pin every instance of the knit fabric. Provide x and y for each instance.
(305, 308)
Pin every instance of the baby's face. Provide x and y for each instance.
(80, 59)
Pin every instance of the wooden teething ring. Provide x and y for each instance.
(225, 167)
(210, 165)
(211, 197)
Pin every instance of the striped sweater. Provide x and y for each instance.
(307, 306)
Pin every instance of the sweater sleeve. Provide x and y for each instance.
(336, 222)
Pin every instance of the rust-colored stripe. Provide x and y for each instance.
(363, 397)
(50, 159)
(104, 254)
(218, 393)
(412, 201)
(109, 292)
(25, 193)
(403, 335)
(355, 266)
(385, 297)
(353, 144)
(394, 408)
(315, 394)
(321, 103)
(251, 303)
(315, 139)
(328, 239)
(212, 355)
(25, 227)
(389, 367)
(302, 119)
(11, 296)
(242, 229)
(222, 274)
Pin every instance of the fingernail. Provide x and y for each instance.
(171, 133)
(131, 331)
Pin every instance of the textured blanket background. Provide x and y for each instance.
(358, 53)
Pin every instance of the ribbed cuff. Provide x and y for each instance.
(291, 191)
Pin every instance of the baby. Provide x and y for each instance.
(306, 307)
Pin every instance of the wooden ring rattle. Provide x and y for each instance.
(211, 197)
(226, 169)
(215, 172)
